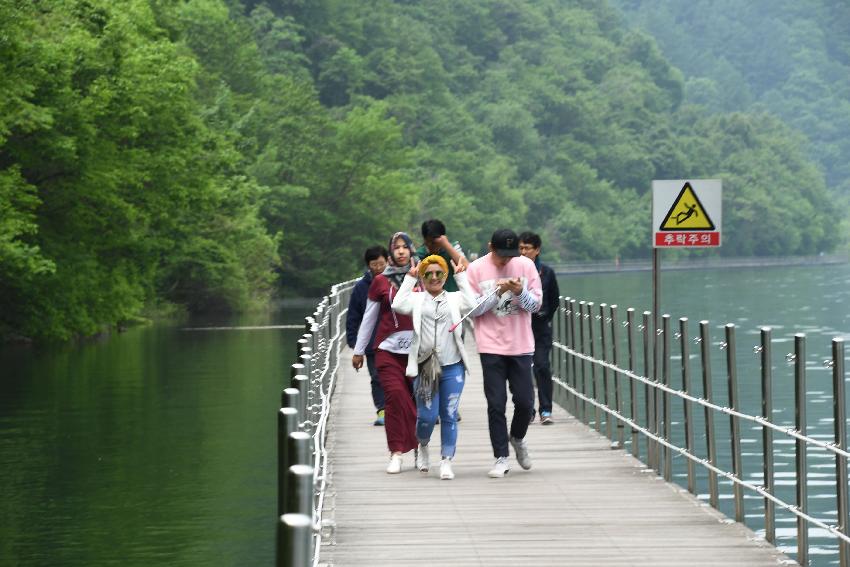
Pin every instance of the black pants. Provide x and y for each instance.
(543, 369)
(500, 373)
(377, 391)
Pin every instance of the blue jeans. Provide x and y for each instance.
(445, 402)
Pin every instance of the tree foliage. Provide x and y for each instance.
(211, 153)
(788, 57)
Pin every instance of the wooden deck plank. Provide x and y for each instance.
(580, 504)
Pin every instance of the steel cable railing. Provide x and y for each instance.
(575, 330)
(303, 475)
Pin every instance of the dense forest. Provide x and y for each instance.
(211, 154)
(787, 57)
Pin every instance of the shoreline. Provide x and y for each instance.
(645, 265)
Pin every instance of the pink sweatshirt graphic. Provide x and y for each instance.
(505, 326)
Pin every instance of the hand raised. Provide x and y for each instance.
(443, 242)
(458, 268)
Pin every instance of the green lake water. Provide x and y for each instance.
(151, 447)
(157, 446)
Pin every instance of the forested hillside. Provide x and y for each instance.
(788, 57)
(211, 153)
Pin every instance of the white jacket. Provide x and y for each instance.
(408, 302)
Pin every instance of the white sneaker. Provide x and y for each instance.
(446, 472)
(521, 449)
(395, 464)
(423, 462)
(500, 468)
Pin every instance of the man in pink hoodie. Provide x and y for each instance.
(506, 342)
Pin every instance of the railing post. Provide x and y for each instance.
(555, 353)
(294, 540)
(302, 384)
(649, 398)
(616, 360)
(298, 448)
(767, 433)
(734, 422)
(630, 325)
(800, 462)
(590, 318)
(306, 342)
(574, 367)
(289, 398)
(299, 484)
(295, 370)
(287, 422)
(309, 392)
(705, 352)
(583, 390)
(563, 359)
(840, 421)
(667, 400)
(604, 357)
(686, 406)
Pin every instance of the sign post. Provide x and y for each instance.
(685, 214)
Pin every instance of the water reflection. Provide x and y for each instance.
(154, 447)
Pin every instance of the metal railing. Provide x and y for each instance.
(302, 431)
(593, 370)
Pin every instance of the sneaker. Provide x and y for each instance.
(521, 449)
(446, 472)
(395, 464)
(546, 418)
(422, 460)
(500, 468)
(380, 419)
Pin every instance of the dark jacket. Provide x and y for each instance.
(356, 309)
(541, 321)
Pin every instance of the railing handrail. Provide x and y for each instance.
(684, 452)
(328, 375)
(574, 326)
(319, 348)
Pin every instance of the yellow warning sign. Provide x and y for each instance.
(687, 213)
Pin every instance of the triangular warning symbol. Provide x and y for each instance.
(687, 213)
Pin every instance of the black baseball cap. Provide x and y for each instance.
(505, 243)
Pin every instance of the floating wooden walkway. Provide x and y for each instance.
(582, 504)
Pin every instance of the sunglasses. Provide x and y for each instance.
(431, 275)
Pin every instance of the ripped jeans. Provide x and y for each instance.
(445, 401)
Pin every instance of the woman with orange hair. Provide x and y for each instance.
(437, 357)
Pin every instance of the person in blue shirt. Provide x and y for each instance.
(541, 325)
(376, 260)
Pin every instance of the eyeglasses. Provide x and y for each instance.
(431, 275)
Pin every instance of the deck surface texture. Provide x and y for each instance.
(582, 504)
